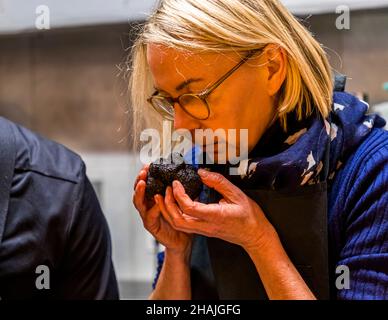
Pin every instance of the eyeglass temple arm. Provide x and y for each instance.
(230, 72)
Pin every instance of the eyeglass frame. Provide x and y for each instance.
(205, 93)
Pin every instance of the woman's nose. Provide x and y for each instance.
(184, 121)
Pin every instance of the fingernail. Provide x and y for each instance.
(175, 184)
(202, 172)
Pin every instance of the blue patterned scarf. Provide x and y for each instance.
(287, 160)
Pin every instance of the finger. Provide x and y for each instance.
(206, 212)
(138, 178)
(152, 220)
(138, 197)
(190, 218)
(142, 175)
(170, 201)
(172, 205)
(173, 215)
(152, 215)
(162, 206)
(192, 223)
(222, 185)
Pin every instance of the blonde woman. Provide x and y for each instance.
(306, 218)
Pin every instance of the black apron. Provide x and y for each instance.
(222, 270)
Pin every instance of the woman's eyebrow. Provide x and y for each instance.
(181, 86)
(185, 83)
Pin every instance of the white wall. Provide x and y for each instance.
(303, 7)
(20, 15)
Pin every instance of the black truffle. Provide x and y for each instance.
(164, 171)
(191, 181)
(154, 186)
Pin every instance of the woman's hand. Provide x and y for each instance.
(236, 218)
(175, 241)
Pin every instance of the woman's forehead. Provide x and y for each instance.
(170, 66)
(158, 53)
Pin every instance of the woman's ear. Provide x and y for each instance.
(277, 63)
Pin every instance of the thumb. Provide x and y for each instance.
(222, 185)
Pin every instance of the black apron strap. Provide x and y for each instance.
(7, 163)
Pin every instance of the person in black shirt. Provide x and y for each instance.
(54, 239)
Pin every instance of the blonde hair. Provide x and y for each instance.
(239, 26)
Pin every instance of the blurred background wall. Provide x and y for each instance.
(65, 83)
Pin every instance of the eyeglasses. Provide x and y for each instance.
(195, 105)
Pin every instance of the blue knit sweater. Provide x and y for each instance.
(358, 219)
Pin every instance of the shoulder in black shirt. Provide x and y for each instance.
(50, 216)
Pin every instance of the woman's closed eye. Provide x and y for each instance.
(161, 93)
